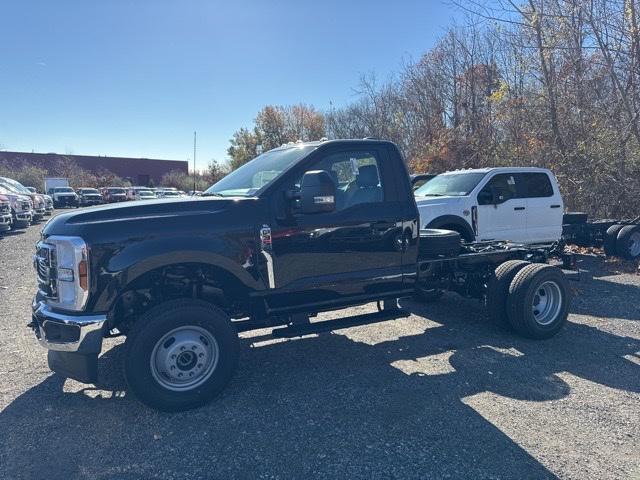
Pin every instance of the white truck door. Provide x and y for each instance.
(502, 210)
(544, 207)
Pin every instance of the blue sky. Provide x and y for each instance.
(136, 78)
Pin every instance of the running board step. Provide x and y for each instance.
(346, 322)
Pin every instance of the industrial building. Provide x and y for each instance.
(139, 171)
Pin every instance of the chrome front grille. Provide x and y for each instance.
(25, 206)
(45, 265)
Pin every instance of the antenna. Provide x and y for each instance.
(194, 161)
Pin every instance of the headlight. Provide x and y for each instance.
(71, 265)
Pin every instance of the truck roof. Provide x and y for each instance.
(355, 141)
(497, 169)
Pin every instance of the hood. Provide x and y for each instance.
(433, 201)
(37, 199)
(134, 212)
(14, 197)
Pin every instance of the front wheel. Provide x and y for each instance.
(180, 355)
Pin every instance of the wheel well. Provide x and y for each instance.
(455, 223)
(464, 232)
(175, 281)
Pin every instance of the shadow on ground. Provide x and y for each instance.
(324, 406)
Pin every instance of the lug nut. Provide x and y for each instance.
(182, 348)
(199, 365)
(201, 355)
(191, 374)
(194, 348)
(180, 374)
(173, 357)
(173, 367)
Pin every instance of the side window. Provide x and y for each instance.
(356, 176)
(499, 189)
(538, 185)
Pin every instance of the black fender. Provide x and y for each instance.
(465, 228)
(136, 259)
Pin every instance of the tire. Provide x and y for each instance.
(610, 240)
(194, 330)
(574, 218)
(628, 242)
(435, 241)
(538, 301)
(428, 295)
(498, 290)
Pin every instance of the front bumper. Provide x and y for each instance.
(66, 201)
(66, 332)
(5, 222)
(38, 213)
(23, 217)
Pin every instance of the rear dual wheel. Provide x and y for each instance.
(531, 298)
(628, 242)
(538, 301)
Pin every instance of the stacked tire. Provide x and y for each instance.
(531, 298)
(623, 241)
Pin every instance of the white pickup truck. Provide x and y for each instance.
(518, 204)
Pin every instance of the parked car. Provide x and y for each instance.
(168, 194)
(131, 192)
(5, 213)
(48, 205)
(144, 195)
(37, 200)
(48, 201)
(180, 279)
(518, 204)
(21, 208)
(63, 197)
(114, 194)
(88, 196)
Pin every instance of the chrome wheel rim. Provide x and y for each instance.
(184, 358)
(634, 244)
(547, 302)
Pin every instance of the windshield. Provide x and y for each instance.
(170, 194)
(15, 186)
(116, 191)
(146, 193)
(89, 190)
(63, 190)
(450, 185)
(247, 180)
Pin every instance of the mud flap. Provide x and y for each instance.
(79, 366)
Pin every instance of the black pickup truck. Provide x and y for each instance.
(304, 228)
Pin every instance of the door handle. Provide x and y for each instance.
(518, 208)
(555, 206)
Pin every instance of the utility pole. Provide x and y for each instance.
(194, 162)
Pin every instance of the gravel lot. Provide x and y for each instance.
(441, 394)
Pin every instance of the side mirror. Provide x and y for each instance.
(317, 192)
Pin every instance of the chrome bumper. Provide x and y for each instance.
(23, 216)
(67, 332)
(5, 221)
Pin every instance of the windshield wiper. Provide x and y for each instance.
(433, 195)
(212, 194)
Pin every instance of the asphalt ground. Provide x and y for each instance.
(443, 393)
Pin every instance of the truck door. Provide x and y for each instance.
(355, 249)
(544, 207)
(502, 210)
